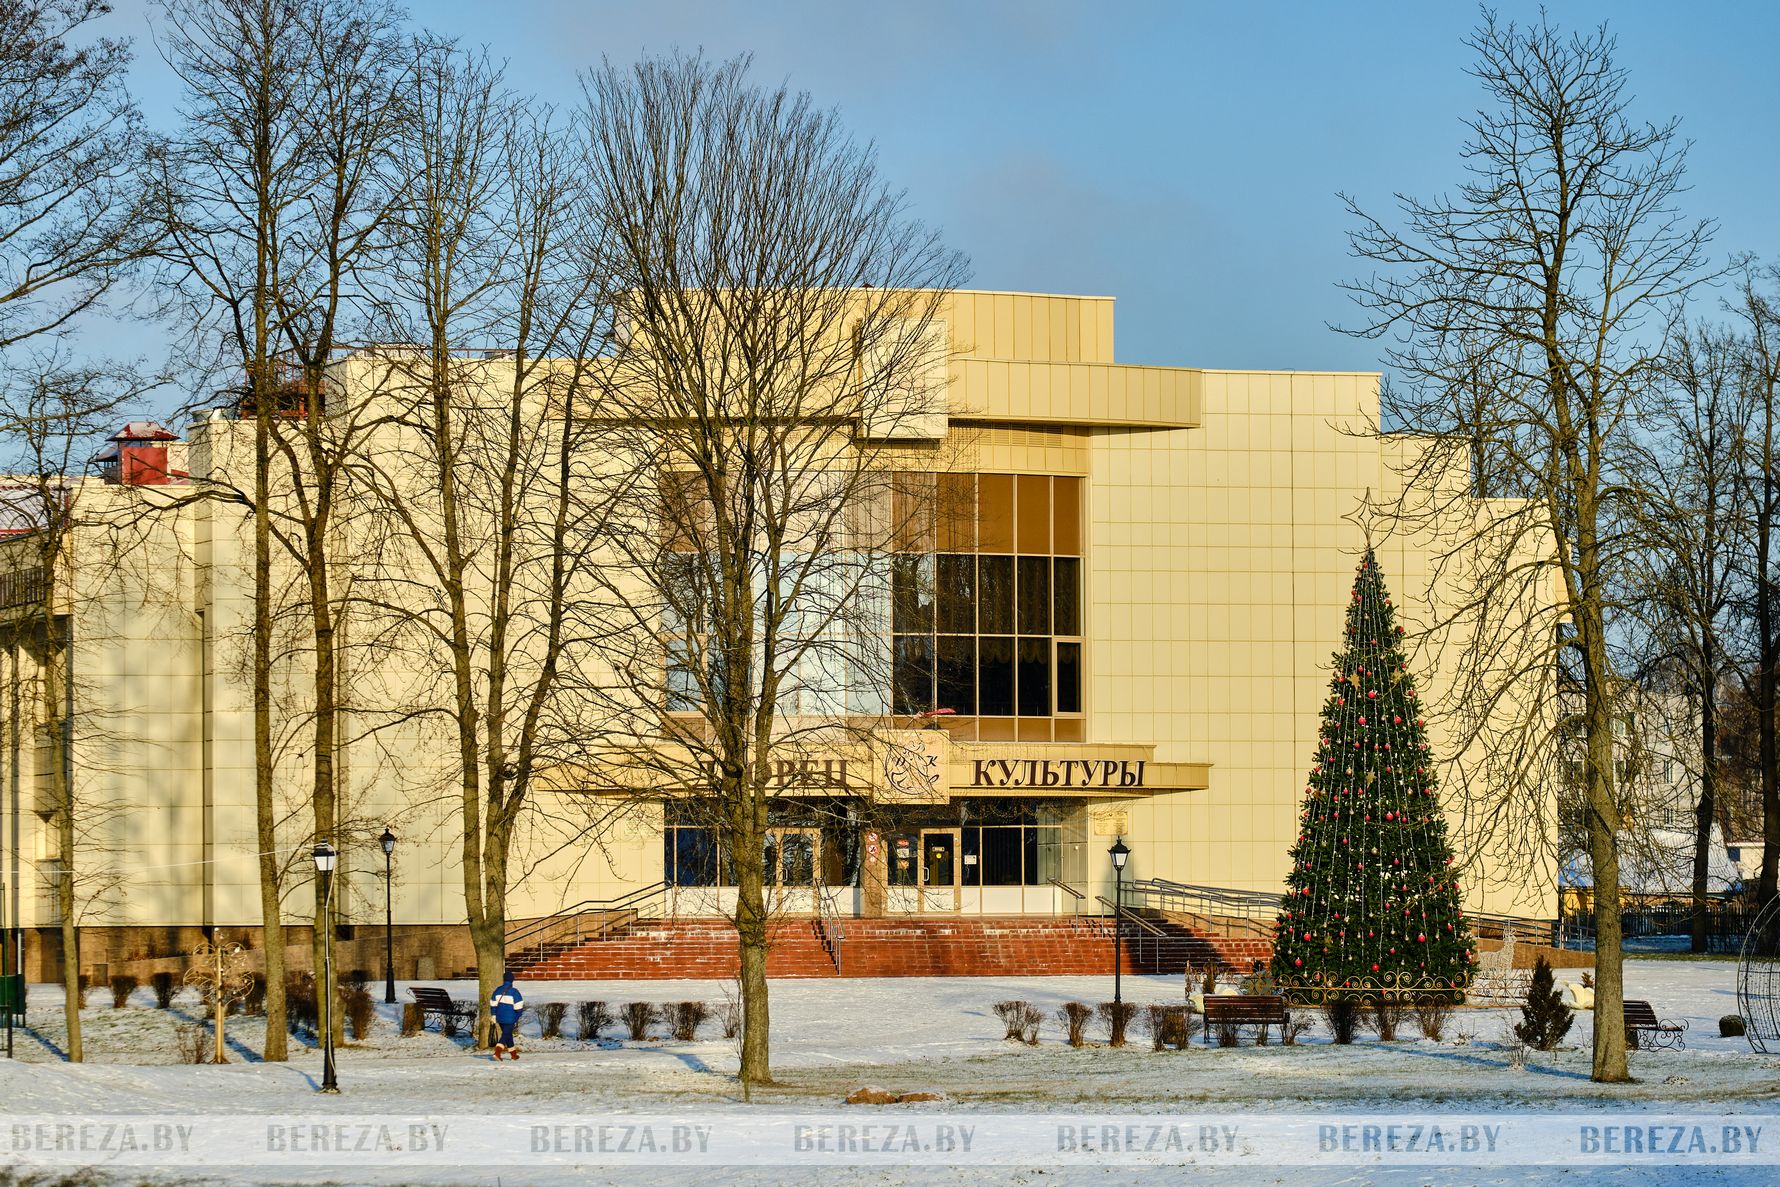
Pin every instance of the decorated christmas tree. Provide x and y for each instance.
(1372, 901)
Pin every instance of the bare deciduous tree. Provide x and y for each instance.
(71, 206)
(1756, 311)
(1692, 513)
(776, 323)
(480, 467)
(1546, 271)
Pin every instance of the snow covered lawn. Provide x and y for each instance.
(931, 1035)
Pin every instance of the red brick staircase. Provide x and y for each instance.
(911, 946)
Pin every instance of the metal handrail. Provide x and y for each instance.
(828, 926)
(626, 908)
(1067, 889)
(1126, 914)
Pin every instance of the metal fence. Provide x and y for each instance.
(1726, 924)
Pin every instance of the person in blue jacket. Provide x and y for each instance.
(506, 1005)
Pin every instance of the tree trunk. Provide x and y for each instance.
(1609, 1062)
(1707, 808)
(265, 806)
(751, 941)
(57, 725)
(1767, 647)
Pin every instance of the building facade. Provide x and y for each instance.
(1122, 629)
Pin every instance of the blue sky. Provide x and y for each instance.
(1183, 157)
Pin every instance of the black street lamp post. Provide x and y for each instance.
(388, 841)
(325, 856)
(1120, 854)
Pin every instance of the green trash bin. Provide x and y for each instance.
(12, 997)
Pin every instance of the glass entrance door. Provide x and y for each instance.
(939, 869)
(793, 857)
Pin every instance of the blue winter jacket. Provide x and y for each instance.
(506, 1003)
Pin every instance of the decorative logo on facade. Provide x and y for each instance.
(911, 769)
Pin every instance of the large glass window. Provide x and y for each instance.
(993, 636)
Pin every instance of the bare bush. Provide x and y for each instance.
(1074, 1017)
(255, 1000)
(122, 986)
(637, 1017)
(1385, 1014)
(590, 1019)
(1229, 1034)
(1342, 1014)
(195, 1045)
(1296, 1027)
(1432, 1012)
(356, 980)
(1031, 1019)
(685, 1018)
(300, 1005)
(360, 1010)
(1010, 1013)
(165, 985)
(1117, 1016)
(550, 1017)
(1169, 1026)
(732, 1010)
(413, 1021)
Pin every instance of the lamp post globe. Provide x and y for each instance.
(388, 842)
(1120, 854)
(325, 857)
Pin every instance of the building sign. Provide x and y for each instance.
(1057, 772)
(809, 772)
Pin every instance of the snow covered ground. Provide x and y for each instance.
(929, 1035)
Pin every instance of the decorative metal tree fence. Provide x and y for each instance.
(219, 972)
(1758, 980)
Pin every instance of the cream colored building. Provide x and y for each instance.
(1196, 535)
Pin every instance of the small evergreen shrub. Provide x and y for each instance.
(1342, 1014)
(122, 986)
(165, 985)
(550, 1016)
(637, 1017)
(590, 1019)
(1545, 1019)
(360, 1010)
(1117, 1016)
(1074, 1017)
(1731, 1027)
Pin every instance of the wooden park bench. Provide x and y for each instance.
(1642, 1025)
(1232, 1010)
(432, 1000)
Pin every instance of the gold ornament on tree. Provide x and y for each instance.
(219, 972)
